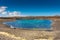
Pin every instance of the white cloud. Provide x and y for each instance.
(14, 13)
(4, 12)
(8, 13)
(2, 9)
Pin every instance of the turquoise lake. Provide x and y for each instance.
(31, 23)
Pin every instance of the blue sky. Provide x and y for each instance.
(33, 7)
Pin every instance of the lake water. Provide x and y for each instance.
(31, 23)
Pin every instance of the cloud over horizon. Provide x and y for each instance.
(2, 9)
(5, 13)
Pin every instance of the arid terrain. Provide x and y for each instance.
(7, 33)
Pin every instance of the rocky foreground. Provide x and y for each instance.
(20, 34)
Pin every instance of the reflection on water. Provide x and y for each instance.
(30, 23)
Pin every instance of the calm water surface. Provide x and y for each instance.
(30, 23)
